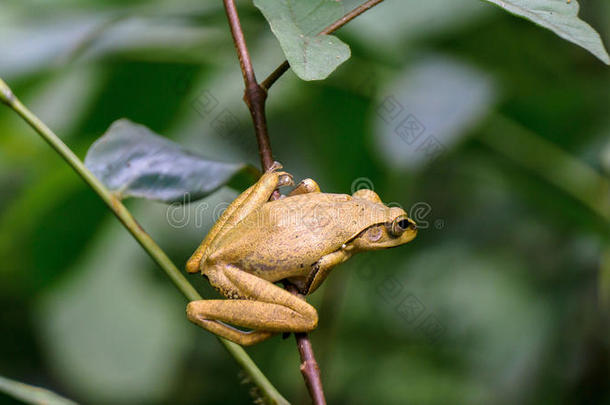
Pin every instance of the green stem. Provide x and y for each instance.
(31, 394)
(158, 255)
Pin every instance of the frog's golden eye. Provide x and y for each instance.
(399, 225)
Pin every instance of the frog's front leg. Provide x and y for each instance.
(321, 269)
(257, 304)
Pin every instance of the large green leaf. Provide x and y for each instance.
(31, 394)
(133, 161)
(296, 24)
(561, 17)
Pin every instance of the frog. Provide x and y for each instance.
(300, 237)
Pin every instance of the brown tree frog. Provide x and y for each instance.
(300, 237)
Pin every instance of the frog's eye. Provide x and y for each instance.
(400, 225)
(403, 223)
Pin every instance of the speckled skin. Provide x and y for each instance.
(301, 238)
(286, 238)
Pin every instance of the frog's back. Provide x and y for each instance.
(280, 238)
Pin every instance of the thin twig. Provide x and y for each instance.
(276, 74)
(156, 253)
(349, 16)
(309, 366)
(283, 68)
(255, 97)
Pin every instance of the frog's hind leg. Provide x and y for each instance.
(192, 265)
(258, 304)
(234, 335)
(247, 201)
(304, 187)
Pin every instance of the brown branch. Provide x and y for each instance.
(309, 366)
(349, 16)
(283, 68)
(255, 97)
(276, 74)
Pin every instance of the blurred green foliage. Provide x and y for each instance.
(502, 299)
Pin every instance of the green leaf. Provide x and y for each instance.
(31, 394)
(133, 161)
(296, 24)
(561, 17)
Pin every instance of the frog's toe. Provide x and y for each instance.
(275, 167)
(306, 186)
(285, 179)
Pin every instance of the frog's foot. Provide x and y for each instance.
(234, 335)
(258, 304)
(275, 167)
(304, 187)
(285, 179)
